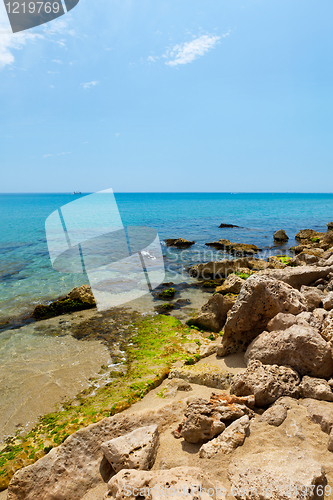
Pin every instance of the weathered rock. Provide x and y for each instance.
(213, 314)
(308, 235)
(277, 413)
(275, 263)
(315, 388)
(182, 482)
(228, 441)
(327, 327)
(77, 465)
(234, 248)
(83, 294)
(178, 243)
(203, 374)
(330, 441)
(260, 299)
(298, 276)
(233, 284)
(280, 236)
(320, 412)
(304, 258)
(277, 474)
(326, 260)
(301, 347)
(221, 269)
(329, 226)
(281, 321)
(328, 302)
(267, 382)
(136, 450)
(313, 297)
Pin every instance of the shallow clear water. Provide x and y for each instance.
(26, 274)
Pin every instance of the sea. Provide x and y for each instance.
(26, 274)
(41, 363)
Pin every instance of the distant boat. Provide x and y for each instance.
(76, 192)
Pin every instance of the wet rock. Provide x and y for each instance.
(329, 226)
(280, 236)
(260, 299)
(234, 248)
(178, 243)
(328, 302)
(83, 294)
(74, 467)
(298, 276)
(301, 347)
(271, 474)
(78, 299)
(203, 374)
(167, 294)
(314, 297)
(213, 314)
(233, 284)
(315, 388)
(127, 484)
(266, 382)
(228, 441)
(277, 413)
(136, 450)
(232, 225)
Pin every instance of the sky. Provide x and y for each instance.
(170, 96)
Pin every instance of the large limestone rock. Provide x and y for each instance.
(213, 314)
(206, 419)
(77, 465)
(316, 388)
(260, 299)
(228, 441)
(267, 382)
(301, 347)
(313, 296)
(182, 483)
(136, 450)
(298, 276)
(277, 474)
(83, 294)
(280, 236)
(233, 284)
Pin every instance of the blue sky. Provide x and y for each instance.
(170, 95)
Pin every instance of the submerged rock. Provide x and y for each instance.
(178, 243)
(234, 248)
(280, 236)
(232, 225)
(77, 300)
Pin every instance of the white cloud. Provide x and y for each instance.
(12, 41)
(187, 52)
(58, 61)
(152, 59)
(45, 156)
(88, 85)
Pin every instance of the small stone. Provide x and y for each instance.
(328, 302)
(277, 413)
(316, 388)
(228, 441)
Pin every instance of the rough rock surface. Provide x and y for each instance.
(234, 248)
(233, 284)
(213, 314)
(301, 347)
(280, 236)
(136, 450)
(206, 419)
(218, 269)
(183, 480)
(315, 388)
(178, 243)
(203, 374)
(327, 327)
(313, 296)
(281, 321)
(267, 382)
(298, 276)
(277, 413)
(273, 473)
(77, 465)
(229, 440)
(328, 302)
(320, 412)
(83, 294)
(260, 299)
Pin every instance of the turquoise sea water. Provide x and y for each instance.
(26, 274)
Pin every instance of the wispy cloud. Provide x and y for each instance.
(88, 85)
(187, 52)
(58, 61)
(46, 156)
(152, 59)
(10, 42)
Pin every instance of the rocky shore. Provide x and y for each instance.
(237, 403)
